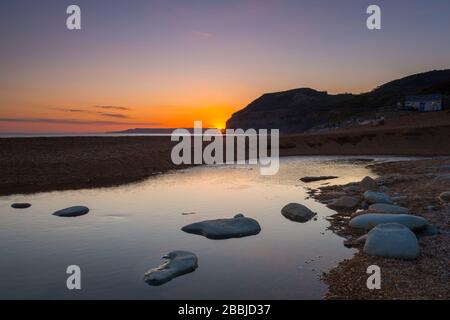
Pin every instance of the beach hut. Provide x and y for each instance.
(424, 103)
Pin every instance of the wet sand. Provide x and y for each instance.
(29, 165)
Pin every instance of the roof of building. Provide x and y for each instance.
(422, 97)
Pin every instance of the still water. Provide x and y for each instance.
(130, 227)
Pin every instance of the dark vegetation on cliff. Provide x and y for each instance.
(299, 110)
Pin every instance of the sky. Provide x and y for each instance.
(167, 63)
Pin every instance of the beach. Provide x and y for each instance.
(418, 183)
(30, 165)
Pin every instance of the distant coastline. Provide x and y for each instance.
(129, 132)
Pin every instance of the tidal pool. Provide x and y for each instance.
(129, 228)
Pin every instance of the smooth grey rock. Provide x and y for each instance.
(377, 197)
(320, 178)
(389, 208)
(297, 212)
(72, 212)
(384, 189)
(20, 205)
(392, 240)
(345, 202)
(371, 220)
(236, 227)
(368, 184)
(177, 263)
(445, 196)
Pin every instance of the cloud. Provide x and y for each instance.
(79, 122)
(105, 114)
(113, 108)
(114, 115)
(202, 34)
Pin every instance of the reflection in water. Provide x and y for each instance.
(130, 227)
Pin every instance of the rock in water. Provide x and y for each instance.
(371, 220)
(72, 211)
(392, 240)
(312, 179)
(345, 202)
(177, 264)
(236, 227)
(389, 208)
(20, 205)
(377, 197)
(297, 212)
(368, 184)
(445, 196)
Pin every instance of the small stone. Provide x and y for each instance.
(443, 177)
(312, 179)
(177, 263)
(377, 197)
(445, 196)
(236, 227)
(430, 230)
(72, 212)
(345, 202)
(368, 184)
(389, 208)
(392, 240)
(20, 205)
(297, 212)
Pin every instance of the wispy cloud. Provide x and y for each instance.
(79, 122)
(113, 108)
(114, 115)
(201, 34)
(105, 114)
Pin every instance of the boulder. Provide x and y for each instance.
(177, 263)
(388, 208)
(312, 179)
(445, 196)
(236, 227)
(377, 197)
(20, 205)
(392, 240)
(368, 184)
(297, 212)
(371, 220)
(345, 202)
(72, 212)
